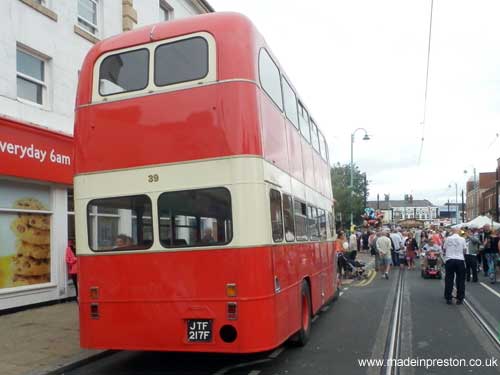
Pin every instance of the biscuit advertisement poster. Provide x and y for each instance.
(24, 234)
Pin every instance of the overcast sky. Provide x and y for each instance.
(362, 63)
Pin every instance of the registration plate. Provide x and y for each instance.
(199, 330)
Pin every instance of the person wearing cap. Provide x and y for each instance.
(454, 249)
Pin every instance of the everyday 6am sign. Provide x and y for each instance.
(28, 151)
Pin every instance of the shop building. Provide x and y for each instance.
(42, 46)
(397, 210)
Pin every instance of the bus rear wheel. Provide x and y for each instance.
(302, 336)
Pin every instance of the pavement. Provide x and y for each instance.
(41, 340)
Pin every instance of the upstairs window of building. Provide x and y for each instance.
(166, 11)
(87, 15)
(31, 77)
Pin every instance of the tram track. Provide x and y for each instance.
(393, 341)
(486, 326)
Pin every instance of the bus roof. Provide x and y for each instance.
(235, 35)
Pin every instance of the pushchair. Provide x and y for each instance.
(355, 268)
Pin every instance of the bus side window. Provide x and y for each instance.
(305, 129)
(322, 224)
(288, 218)
(300, 215)
(312, 220)
(331, 225)
(276, 215)
(270, 78)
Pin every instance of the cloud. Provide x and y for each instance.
(362, 63)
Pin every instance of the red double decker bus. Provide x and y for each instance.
(202, 193)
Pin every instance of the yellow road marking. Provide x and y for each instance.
(371, 276)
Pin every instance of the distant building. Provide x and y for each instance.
(482, 199)
(397, 210)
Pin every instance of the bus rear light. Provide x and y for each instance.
(94, 310)
(94, 292)
(232, 311)
(231, 290)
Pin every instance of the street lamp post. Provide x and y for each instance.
(365, 138)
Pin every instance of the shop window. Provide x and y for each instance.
(123, 223)
(195, 218)
(31, 77)
(288, 218)
(25, 225)
(71, 215)
(87, 15)
(276, 216)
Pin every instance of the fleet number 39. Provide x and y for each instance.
(153, 178)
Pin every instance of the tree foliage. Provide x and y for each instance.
(341, 175)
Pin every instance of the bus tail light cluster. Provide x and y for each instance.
(231, 290)
(94, 310)
(94, 292)
(232, 311)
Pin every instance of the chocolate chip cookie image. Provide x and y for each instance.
(31, 263)
(20, 280)
(33, 251)
(29, 204)
(28, 234)
(36, 221)
(28, 266)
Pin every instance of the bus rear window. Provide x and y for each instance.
(123, 223)
(195, 218)
(124, 72)
(182, 61)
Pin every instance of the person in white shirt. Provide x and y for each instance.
(384, 246)
(353, 246)
(454, 249)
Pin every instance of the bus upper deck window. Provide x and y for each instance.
(124, 72)
(181, 61)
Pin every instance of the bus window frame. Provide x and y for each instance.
(151, 87)
(148, 72)
(180, 41)
(281, 106)
(284, 82)
(209, 245)
(119, 249)
(271, 192)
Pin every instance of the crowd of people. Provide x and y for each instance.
(463, 252)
